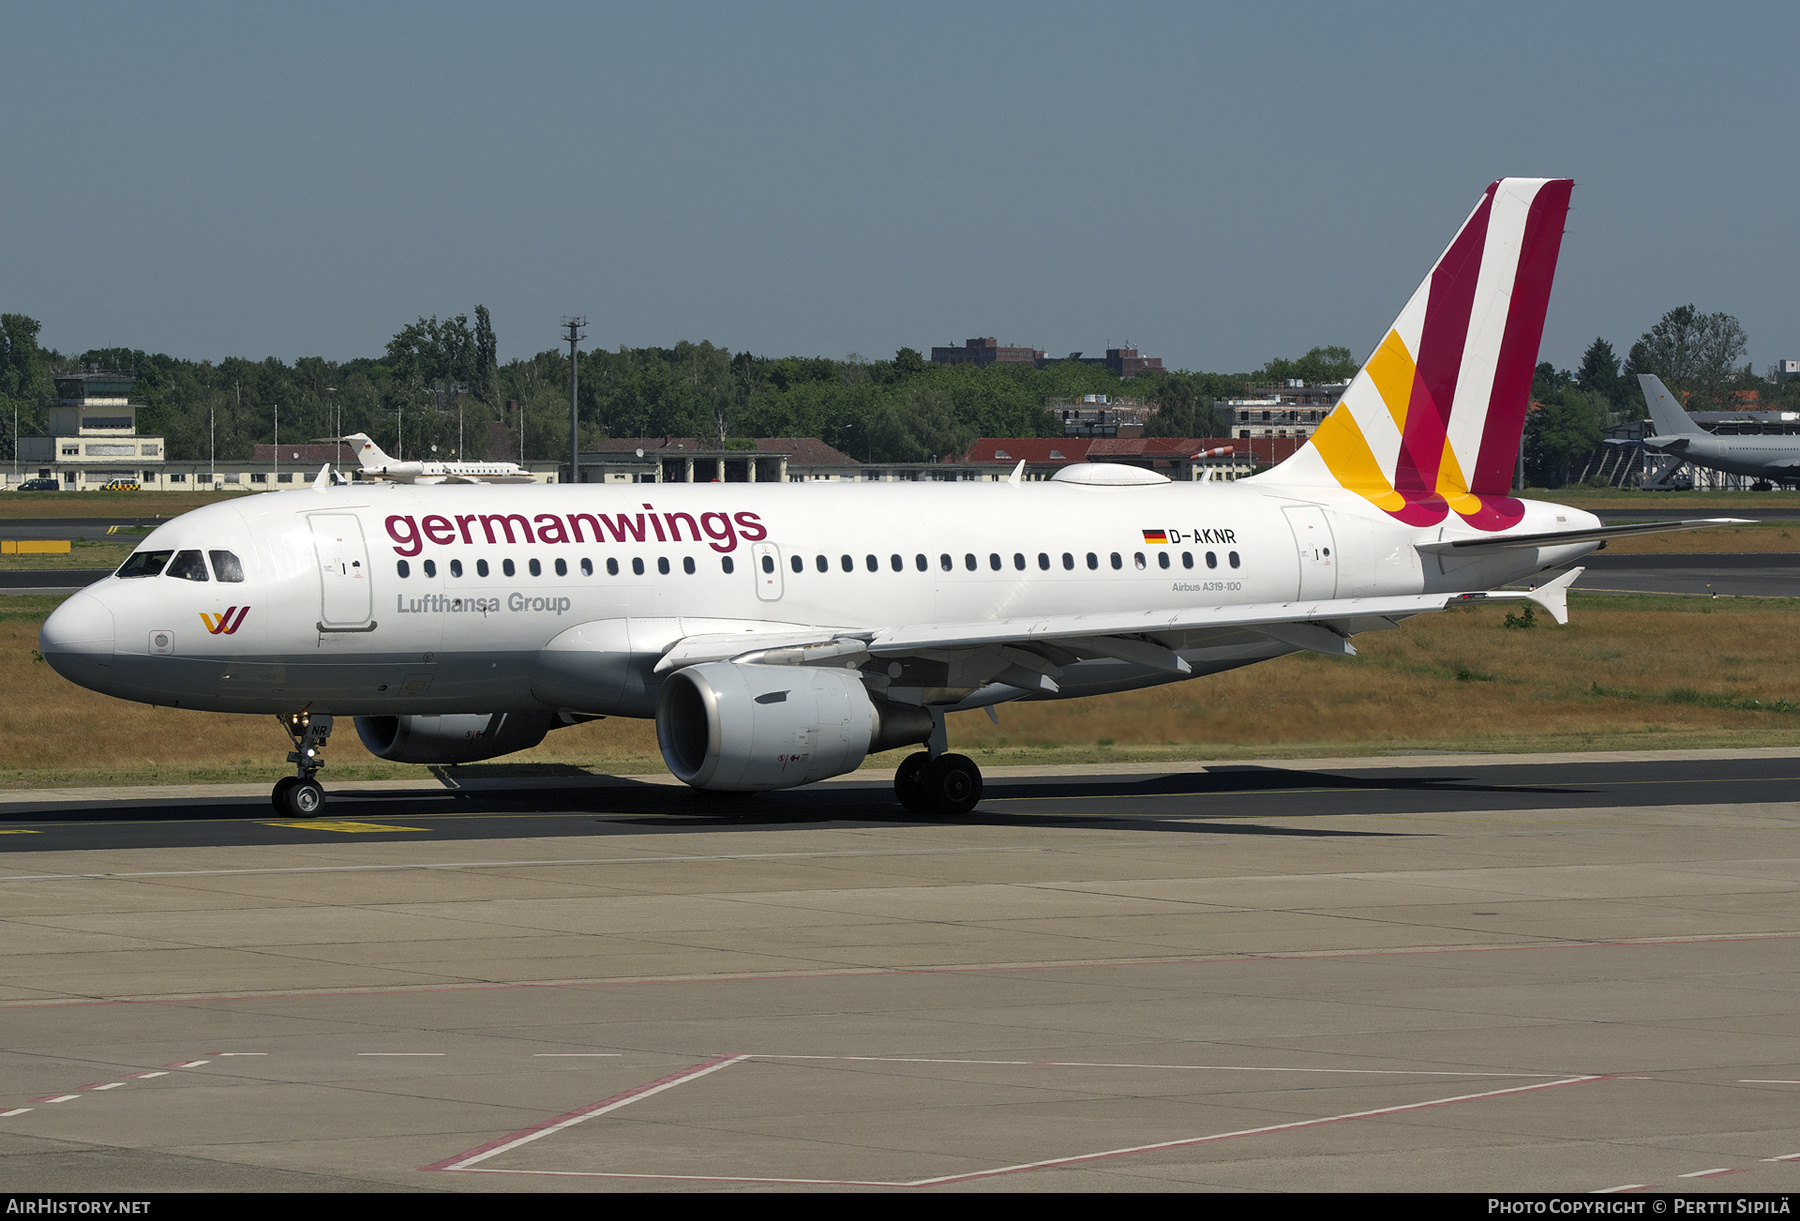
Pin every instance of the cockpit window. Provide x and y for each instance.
(226, 566)
(145, 563)
(187, 565)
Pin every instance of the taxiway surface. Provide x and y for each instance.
(1457, 972)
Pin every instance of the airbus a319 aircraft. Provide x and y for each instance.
(778, 634)
(377, 465)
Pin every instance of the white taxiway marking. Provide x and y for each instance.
(188, 1064)
(61, 1098)
(14, 1111)
(241, 1053)
(402, 1053)
(158, 1073)
(468, 1161)
(1767, 1081)
(577, 1054)
(1707, 1174)
(110, 1085)
(1786, 1157)
(1607, 1191)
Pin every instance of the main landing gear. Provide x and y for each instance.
(302, 796)
(947, 784)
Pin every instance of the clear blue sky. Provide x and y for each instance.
(1220, 184)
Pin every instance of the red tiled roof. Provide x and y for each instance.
(1038, 451)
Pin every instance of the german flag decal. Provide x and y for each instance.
(1156, 536)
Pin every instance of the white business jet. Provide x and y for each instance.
(780, 633)
(377, 465)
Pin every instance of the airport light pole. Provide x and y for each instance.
(574, 337)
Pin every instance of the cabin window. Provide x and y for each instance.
(1212, 559)
(871, 563)
(534, 568)
(821, 563)
(1162, 559)
(430, 567)
(403, 568)
(145, 563)
(612, 567)
(456, 568)
(1233, 557)
(898, 564)
(994, 560)
(227, 568)
(506, 566)
(920, 561)
(1044, 560)
(969, 561)
(768, 563)
(1068, 560)
(637, 565)
(662, 565)
(1019, 560)
(1116, 561)
(726, 564)
(1187, 559)
(587, 567)
(1093, 560)
(562, 568)
(945, 562)
(687, 564)
(1137, 559)
(481, 568)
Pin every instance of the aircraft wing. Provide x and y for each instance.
(463, 479)
(1148, 638)
(1556, 538)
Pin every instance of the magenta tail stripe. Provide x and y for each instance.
(1511, 394)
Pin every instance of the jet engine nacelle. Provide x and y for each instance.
(451, 739)
(741, 727)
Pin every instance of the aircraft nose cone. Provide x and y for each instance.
(77, 635)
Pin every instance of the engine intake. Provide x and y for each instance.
(450, 739)
(743, 727)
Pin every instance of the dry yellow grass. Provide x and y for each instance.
(1768, 536)
(1626, 672)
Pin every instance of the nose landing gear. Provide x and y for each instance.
(300, 795)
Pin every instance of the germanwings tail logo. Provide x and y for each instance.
(1431, 424)
(225, 625)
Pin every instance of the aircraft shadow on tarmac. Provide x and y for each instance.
(1078, 803)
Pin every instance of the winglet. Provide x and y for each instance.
(1018, 471)
(323, 479)
(1554, 595)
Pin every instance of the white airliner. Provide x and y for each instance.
(377, 464)
(780, 633)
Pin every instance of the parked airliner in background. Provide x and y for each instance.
(780, 633)
(376, 464)
(1776, 459)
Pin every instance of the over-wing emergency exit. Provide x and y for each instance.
(778, 634)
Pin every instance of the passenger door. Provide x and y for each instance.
(346, 599)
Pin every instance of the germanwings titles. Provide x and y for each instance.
(778, 634)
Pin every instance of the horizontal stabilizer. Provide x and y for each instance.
(1557, 538)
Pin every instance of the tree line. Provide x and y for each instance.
(439, 388)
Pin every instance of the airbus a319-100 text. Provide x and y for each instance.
(778, 634)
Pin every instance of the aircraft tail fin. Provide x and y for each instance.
(1431, 424)
(1666, 412)
(371, 455)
